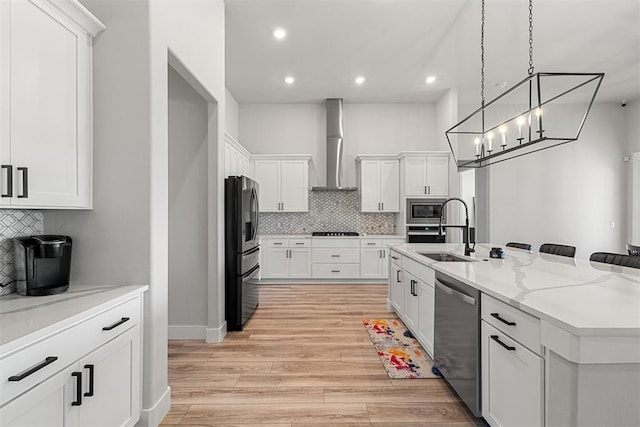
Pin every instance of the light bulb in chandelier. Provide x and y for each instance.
(490, 142)
(477, 143)
(503, 132)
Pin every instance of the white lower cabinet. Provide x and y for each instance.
(374, 257)
(426, 306)
(412, 296)
(287, 258)
(88, 374)
(512, 374)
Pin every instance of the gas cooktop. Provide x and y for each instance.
(334, 233)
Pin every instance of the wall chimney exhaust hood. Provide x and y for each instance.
(335, 139)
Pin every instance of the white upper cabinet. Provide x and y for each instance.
(379, 184)
(236, 158)
(284, 182)
(46, 103)
(425, 174)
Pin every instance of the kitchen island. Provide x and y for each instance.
(578, 326)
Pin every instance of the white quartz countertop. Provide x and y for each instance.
(308, 236)
(24, 319)
(579, 296)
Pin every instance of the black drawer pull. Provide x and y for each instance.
(506, 322)
(394, 257)
(78, 400)
(335, 271)
(277, 243)
(22, 375)
(115, 325)
(299, 243)
(335, 256)
(90, 392)
(9, 192)
(508, 347)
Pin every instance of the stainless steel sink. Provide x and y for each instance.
(444, 256)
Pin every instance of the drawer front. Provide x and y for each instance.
(370, 243)
(336, 255)
(300, 243)
(335, 242)
(336, 271)
(396, 258)
(277, 243)
(426, 274)
(66, 347)
(410, 265)
(513, 322)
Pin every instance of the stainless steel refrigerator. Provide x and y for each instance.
(242, 250)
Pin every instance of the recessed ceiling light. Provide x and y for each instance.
(359, 80)
(430, 79)
(289, 80)
(279, 33)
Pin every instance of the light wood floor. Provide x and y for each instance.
(304, 358)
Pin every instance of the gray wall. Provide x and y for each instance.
(568, 194)
(368, 129)
(188, 252)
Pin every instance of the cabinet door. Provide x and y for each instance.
(390, 185)
(371, 263)
(50, 107)
(267, 173)
(110, 400)
(277, 263)
(370, 186)
(438, 176)
(295, 187)
(396, 290)
(48, 404)
(415, 176)
(5, 115)
(411, 302)
(300, 263)
(426, 300)
(512, 381)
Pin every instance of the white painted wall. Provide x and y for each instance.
(632, 111)
(568, 194)
(231, 116)
(188, 222)
(368, 129)
(125, 237)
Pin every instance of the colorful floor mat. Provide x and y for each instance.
(399, 351)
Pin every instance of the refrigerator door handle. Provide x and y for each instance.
(250, 272)
(256, 248)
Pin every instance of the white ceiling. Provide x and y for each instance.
(395, 44)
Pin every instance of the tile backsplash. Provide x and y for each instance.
(15, 223)
(328, 211)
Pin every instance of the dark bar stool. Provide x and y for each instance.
(616, 259)
(556, 249)
(525, 246)
(633, 250)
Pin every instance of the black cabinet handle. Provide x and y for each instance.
(115, 325)
(335, 256)
(24, 374)
(398, 276)
(9, 192)
(25, 183)
(394, 257)
(90, 392)
(335, 271)
(299, 243)
(506, 322)
(508, 347)
(78, 400)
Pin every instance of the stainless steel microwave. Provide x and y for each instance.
(425, 211)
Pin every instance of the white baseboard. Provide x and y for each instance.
(152, 417)
(213, 335)
(186, 332)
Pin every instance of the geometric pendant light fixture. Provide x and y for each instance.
(543, 110)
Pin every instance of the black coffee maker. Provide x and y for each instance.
(42, 264)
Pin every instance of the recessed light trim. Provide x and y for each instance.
(430, 79)
(279, 33)
(289, 80)
(360, 80)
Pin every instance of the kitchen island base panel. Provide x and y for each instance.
(591, 395)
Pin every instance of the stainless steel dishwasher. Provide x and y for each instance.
(457, 338)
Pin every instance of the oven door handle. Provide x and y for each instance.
(424, 233)
(465, 298)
